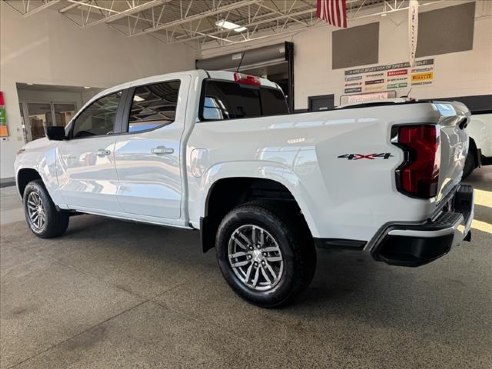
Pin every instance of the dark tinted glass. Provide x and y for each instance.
(153, 106)
(229, 100)
(98, 118)
(273, 102)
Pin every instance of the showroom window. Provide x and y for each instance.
(153, 106)
(98, 118)
(229, 100)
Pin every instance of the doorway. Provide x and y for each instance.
(275, 62)
(278, 73)
(44, 106)
(38, 116)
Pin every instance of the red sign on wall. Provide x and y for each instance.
(4, 132)
(399, 72)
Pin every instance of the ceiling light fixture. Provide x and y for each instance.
(229, 25)
(86, 87)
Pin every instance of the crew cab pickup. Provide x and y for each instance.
(219, 152)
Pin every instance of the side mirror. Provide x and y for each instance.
(56, 133)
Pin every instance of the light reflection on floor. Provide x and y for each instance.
(481, 180)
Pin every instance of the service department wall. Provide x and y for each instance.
(455, 74)
(49, 49)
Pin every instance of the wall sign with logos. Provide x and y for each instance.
(389, 77)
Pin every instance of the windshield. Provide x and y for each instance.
(223, 100)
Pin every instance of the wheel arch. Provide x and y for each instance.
(24, 176)
(228, 192)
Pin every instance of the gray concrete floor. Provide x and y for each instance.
(113, 294)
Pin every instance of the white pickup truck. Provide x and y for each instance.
(219, 152)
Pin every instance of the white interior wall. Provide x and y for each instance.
(455, 74)
(50, 49)
(46, 96)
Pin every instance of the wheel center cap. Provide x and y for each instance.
(257, 255)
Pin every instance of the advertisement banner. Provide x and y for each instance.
(387, 77)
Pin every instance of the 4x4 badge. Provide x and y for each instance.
(384, 155)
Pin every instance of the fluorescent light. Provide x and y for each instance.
(30, 84)
(137, 98)
(229, 25)
(86, 87)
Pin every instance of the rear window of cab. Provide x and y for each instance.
(226, 100)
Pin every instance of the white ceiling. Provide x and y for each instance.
(194, 21)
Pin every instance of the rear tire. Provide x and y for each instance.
(42, 216)
(265, 253)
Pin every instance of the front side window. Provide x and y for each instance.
(225, 100)
(153, 106)
(98, 118)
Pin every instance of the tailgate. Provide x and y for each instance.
(454, 117)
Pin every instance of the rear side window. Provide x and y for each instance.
(225, 100)
(153, 106)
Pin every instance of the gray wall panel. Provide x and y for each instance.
(446, 30)
(355, 46)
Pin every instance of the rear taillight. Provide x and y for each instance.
(246, 79)
(419, 175)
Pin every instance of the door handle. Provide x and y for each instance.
(162, 150)
(103, 152)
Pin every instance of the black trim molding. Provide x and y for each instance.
(339, 243)
(7, 182)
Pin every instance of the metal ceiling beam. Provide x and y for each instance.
(128, 12)
(287, 12)
(253, 24)
(36, 10)
(262, 18)
(91, 5)
(71, 6)
(218, 10)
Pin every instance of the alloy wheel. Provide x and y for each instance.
(255, 257)
(36, 211)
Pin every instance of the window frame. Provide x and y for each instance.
(116, 124)
(125, 118)
(202, 102)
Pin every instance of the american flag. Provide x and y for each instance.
(333, 12)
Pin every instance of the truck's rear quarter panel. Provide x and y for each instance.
(340, 198)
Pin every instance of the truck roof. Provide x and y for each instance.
(220, 75)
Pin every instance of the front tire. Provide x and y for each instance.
(265, 253)
(42, 216)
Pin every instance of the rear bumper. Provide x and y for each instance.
(415, 244)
